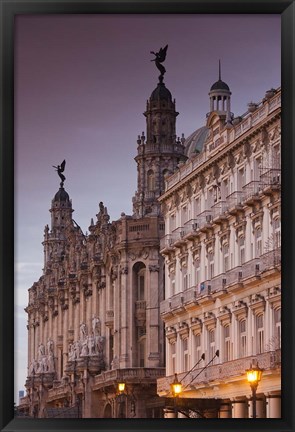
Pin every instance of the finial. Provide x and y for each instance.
(60, 169)
(219, 71)
(160, 58)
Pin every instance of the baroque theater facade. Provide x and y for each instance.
(222, 250)
(195, 269)
(93, 316)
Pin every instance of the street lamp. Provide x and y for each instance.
(121, 387)
(254, 375)
(176, 387)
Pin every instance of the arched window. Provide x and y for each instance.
(151, 180)
(139, 281)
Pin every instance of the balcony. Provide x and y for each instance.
(166, 244)
(271, 181)
(234, 201)
(251, 193)
(224, 372)
(271, 260)
(205, 220)
(234, 278)
(178, 236)
(218, 285)
(218, 211)
(251, 270)
(140, 376)
(191, 229)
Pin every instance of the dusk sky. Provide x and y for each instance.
(81, 85)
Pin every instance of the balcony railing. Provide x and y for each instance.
(234, 199)
(219, 209)
(251, 190)
(220, 372)
(237, 275)
(271, 177)
(129, 374)
(270, 259)
(204, 218)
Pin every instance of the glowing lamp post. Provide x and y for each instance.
(254, 375)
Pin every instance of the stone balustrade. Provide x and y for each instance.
(224, 371)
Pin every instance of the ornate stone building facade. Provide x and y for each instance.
(93, 316)
(222, 307)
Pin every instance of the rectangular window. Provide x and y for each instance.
(243, 339)
(225, 254)
(242, 250)
(173, 357)
(277, 233)
(172, 287)
(258, 242)
(227, 355)
(198, 347)
(197, 272)
(260, 334)
(241, 179)
(185, 281)
(211, 265)
(277, 328)
(185, 355)
(211, 337)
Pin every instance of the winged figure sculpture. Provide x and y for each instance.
(60, 169)
(160, 58)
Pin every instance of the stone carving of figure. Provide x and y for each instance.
(83, 331)
(115, 363)
(91, 344)
(84, 351)
(33, 367)
(44, 364)
(77, 348)
(50, 363)
(100, 346)
(95, 325)
(50, 346)
(71, 355)
(41, 349)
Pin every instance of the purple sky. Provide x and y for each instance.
(81, 87)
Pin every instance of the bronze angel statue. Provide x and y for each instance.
(160, 58)
(60, 169)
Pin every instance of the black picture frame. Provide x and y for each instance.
(8, 10)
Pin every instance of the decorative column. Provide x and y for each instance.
(260, 407)
(273, 406)
(170, 413)
(152, 317)
(225, 410)
(239, 408)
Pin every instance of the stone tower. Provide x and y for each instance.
(158, 153)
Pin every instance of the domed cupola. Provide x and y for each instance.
(61, 195)
(220, 97)
(161, 93)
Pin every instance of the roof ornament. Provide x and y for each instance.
(160, 58)
(60, 169)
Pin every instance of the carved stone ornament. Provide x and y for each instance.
(154, 268)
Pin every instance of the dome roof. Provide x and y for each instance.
(61, 195)
(195, 142)
(161, 92)
(219, 85)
